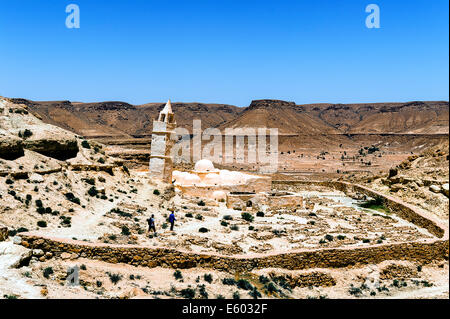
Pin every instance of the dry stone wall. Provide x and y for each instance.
(423, 252)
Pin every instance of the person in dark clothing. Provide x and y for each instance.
(172, 220)
(151, 224)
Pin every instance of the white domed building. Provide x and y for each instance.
(206, 181)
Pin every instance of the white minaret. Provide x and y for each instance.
(161, 165)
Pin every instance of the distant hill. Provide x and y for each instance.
(122, 120)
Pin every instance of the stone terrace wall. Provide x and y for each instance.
(423, 252)
(408, 212)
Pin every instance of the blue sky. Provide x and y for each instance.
(225, 51)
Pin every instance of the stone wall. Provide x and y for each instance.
(423, 252)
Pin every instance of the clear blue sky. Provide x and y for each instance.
(225, 51)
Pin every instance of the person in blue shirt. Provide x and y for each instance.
(172, 220)
(151, 224)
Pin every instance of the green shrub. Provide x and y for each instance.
(263, 279)
(27, 133)
(71, 197)
(247, 216)
(188, 293)
(227, 217)
(201, 203)
(329, 237)
(85, 144)
(101, 160)
(177, 274)
(199, 217)
(115, 278)
(236, 295)
(260, 214)
(38, 203)
(234, 227)
(244, 284)
(189, 215)
(202, 291)
(271, 287)
(340, 237)
(9, 181)
(47, 272)
(125, 231)
(203, 230)
(208, 278)
(224, 223)
(255, 293)
(156, 192)
(90, 181)
(229, 281)
(42, 223)
(93, 191)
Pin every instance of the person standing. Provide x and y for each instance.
(172, 220)
(151, 224)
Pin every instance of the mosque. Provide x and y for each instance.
(205, 181)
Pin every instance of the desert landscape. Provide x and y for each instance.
(358, 208)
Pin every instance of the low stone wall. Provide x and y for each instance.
(423, 252)
(408, 212)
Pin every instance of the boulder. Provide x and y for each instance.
(38, 252)
(435, 189)
(36, 178)
(11, 147)
(17, 240)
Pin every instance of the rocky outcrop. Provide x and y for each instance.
(11, 147)
(61, 149)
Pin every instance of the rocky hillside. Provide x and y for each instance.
(123, 120)
(430, 117)
(422, 180)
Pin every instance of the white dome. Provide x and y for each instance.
(204, 165)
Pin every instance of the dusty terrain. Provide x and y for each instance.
(58, 183)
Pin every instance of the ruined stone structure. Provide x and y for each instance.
(253, 201)
(160, 154)
(423, 251)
